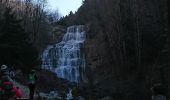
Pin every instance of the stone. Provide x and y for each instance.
(106, 98)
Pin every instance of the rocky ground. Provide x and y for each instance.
(50, 87)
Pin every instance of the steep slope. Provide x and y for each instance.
(127, 47)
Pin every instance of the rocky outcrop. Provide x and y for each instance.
(57, 33)
(48, 85)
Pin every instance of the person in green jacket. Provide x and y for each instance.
(32, 83)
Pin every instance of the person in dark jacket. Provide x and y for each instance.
(4, 74)
(7, 87)
(32, 83)
(4, 70)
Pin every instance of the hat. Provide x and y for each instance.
(3, 67)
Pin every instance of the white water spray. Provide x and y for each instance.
(66, 58)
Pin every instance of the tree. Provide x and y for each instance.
(15, 49)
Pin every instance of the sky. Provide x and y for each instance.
(64, 6)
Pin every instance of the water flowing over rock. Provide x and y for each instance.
(69, 95)
(66, 58)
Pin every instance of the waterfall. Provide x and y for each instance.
(69, 95)
(66, 58)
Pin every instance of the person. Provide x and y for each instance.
(4, 71)
(7, 88)
(4, 74)
(159, 92)
(32, 83)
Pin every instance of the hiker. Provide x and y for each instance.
(159, 92)
(4, 71)
(7, 88)
(6, 91)
(32, 83)
(4, 74)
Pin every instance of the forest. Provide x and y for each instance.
(25, 30)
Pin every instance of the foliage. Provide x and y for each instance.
(14, 45)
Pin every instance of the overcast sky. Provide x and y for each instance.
(65, 6)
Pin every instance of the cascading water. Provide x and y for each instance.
(66, 58)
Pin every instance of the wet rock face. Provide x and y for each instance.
(66, 58)
(98, 57)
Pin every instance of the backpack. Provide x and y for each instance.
(6, 90)
(7, 86)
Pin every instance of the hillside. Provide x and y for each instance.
(127, 46)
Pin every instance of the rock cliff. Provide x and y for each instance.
(127, 45)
